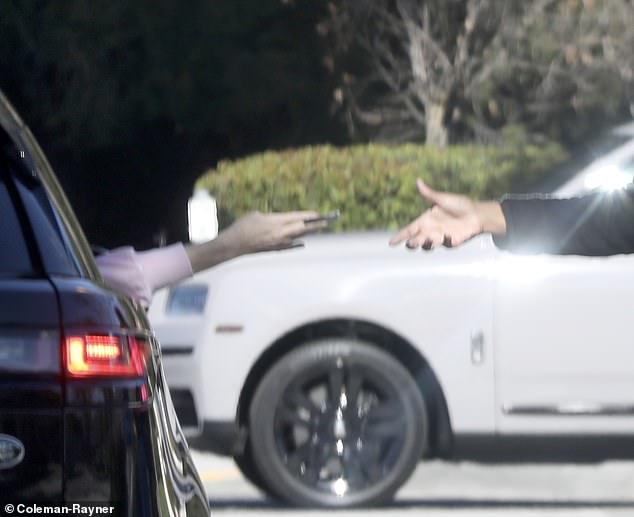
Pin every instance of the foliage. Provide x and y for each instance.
(137, 97)
(373, 185)
(97, 69)
(445, 71)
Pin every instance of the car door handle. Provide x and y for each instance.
(477, 347)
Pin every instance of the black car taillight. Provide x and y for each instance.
(94, 355)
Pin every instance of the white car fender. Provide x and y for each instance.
(437, 306)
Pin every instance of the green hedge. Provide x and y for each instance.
(373, 185)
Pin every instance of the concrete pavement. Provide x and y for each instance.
(463, 489)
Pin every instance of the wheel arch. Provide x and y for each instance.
(441, 436)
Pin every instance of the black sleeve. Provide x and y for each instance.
(596, 224)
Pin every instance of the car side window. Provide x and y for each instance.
(55, 256)
(56, 206)
(14, 256)
(41, 223)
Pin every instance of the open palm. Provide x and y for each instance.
(451, 220)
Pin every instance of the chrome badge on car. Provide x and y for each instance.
(11, 451)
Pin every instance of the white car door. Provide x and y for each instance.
(564, 344)
(563, 328)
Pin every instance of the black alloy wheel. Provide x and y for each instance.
(337, 423)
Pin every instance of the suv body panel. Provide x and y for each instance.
(94, 439)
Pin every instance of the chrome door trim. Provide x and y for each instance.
(571, 409)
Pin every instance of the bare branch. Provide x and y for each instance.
(493, 61)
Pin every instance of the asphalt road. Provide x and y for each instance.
(462, 489)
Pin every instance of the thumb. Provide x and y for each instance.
(427, 193)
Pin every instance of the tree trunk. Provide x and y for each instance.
(436, 132)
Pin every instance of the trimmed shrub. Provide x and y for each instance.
(373, 185)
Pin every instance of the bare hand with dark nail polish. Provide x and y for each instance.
(452, 220)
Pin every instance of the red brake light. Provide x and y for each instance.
(102, 347)
(112, 356)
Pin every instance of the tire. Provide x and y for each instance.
(246, 465)
(337, 423)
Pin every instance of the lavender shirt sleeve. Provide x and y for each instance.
(139, 274)
(165, 266)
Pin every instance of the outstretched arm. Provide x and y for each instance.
(139, 274)
(596, 224)
(253, 233)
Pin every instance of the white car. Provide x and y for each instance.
(329, 371)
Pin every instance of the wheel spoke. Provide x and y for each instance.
(391, 454)
(364, 466)
(388, 410)
(371, 463)
(354, 382)
(298, 399)
(385, 429)
(300, 455)
(290, 416)
(353, 470)
(335, 383)
(385, 421)
(318, 456)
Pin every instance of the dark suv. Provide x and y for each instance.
(85, 414)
